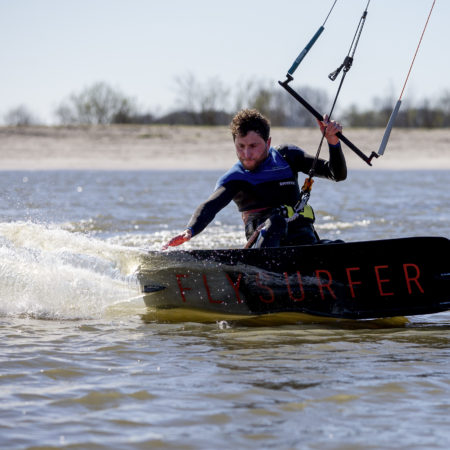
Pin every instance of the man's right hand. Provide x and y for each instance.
(329, 128)
(178, 240)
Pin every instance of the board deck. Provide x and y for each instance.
(359, 280)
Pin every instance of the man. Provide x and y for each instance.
(264, 184)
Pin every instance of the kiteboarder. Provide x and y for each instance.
(264, 185)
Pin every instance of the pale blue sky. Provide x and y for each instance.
(51, 48)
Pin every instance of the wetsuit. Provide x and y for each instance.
(259, 193)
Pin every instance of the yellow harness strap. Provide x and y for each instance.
(307, 213)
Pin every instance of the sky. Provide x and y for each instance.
(52, 48)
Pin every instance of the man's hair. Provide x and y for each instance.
(250, 120)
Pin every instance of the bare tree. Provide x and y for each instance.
(444, 105)
(247, 91)
(204, 103)
(20, 116)
(282, 109)
(297, 115)
(96, 104)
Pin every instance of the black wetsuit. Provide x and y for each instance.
(258, 193)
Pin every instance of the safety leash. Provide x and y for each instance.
(254, 236)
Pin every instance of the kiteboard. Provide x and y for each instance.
(359, 280)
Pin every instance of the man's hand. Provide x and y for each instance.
(330, 128)
(178, 240)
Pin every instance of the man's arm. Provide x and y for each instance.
(334, 169)
(203, 215)
(337, 166)
(206, 212)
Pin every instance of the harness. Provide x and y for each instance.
(289, 213)
(286, 211)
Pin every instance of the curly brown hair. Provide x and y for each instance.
(250, 120)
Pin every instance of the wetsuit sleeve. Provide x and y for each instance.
(300, 161)
(336, 166)
(206, 212)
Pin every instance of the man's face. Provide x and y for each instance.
(251, 150)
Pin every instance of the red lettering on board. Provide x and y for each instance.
(410, 279)
(351, 283)
(208, 291)
(180, 286)
(300, 283)
(235, 286)
(380, 281)
(322, 285)
(272, 296)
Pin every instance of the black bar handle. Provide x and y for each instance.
(318, 116)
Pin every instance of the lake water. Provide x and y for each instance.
(82, 365)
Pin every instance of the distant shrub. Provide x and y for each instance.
(20, 116)
(96, 104)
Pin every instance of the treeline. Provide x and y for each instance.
(212, 103)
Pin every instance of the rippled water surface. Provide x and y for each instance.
(84, 365)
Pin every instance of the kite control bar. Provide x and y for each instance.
(318, 116)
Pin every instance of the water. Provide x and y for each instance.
(82, 365)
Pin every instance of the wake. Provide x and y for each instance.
(50, 273)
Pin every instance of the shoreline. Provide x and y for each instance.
(176, 147)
